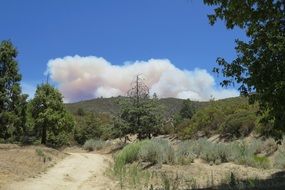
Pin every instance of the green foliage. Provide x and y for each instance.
(279, 158)
(143, 118)
(93, 144)
(230, 117)
(150, 152)
(52, 120)
(131, 161)
(42, 155)
(239, 124)
(12, 102)
(170, 106)
(261, 162)
(80, 112)
(217, 153)
(207, 119)
(156, 151)
(187, 109)
(185, 153)
(94, 126)
(263, 23)
(120, 127)
(129, 154)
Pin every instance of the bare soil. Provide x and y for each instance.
(18, 163)
(78, 170)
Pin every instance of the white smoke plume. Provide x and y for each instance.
(82, 78)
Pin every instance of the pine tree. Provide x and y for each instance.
(141, 115)
(187, 109)
(52, 120)
(12, 102)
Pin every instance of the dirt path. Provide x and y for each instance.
(77, 171)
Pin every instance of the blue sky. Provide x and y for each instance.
(119, 31)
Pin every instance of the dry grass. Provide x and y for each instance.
(205, 175)
(18, 163)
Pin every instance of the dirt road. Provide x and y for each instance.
(77, 171)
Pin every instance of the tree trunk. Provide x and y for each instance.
(44, 135)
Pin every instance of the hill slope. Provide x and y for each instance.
(111, 105)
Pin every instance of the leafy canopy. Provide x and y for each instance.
(260, 63)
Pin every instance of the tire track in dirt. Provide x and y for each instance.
(77, 171)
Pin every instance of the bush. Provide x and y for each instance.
(42, 155)
(233, 117)
(93, 126)
(185, 154)
(216, 153)
(261, 162)
(246, 154)
(279, 159)
(239, 124)
(156, 151)
(93, 144)
(129, 154)
(151, 152)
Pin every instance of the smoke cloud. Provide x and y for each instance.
(82, 78)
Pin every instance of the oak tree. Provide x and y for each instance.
(259, 68)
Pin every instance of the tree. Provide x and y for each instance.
(260, 64)
(80, 112)
(12, 102)
(89, 127)
(187, 109)
(141, 113)
(52, 121)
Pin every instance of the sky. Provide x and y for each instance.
(92, 48)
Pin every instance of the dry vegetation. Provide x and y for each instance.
(161, 164)
(18, 163)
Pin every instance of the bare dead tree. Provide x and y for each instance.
(139, 91)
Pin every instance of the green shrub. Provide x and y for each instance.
(42, 155)
(151, 152)
(198, 146)
(239, 124)
(185, 154)
(93, 126)
(129, 154)
(40, 152)
(246, 154)
(279, 159)
(232, 117)
(238, 152)
(256, 146)
(214, 153)
(93, 144)
(261, 162)
(168, 153)
(156, 151)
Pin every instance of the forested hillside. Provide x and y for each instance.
(111, 105)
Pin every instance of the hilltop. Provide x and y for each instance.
(111, 105)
